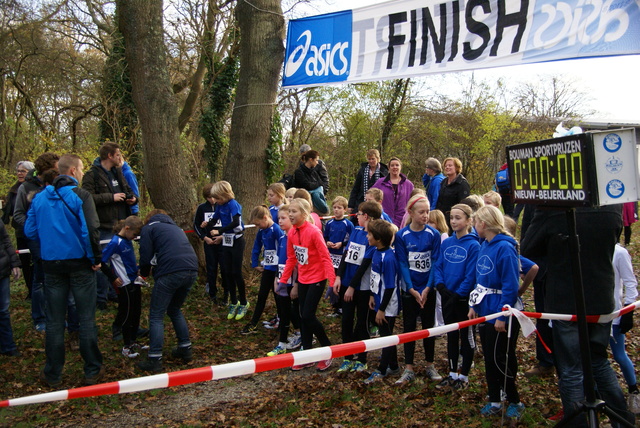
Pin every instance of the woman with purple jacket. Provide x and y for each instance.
(397, 189)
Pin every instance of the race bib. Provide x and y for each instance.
(479, 292)
(335, 260)
(270, 258)
(375, 282)
(355, 253)
(420, 261)
(208, 217)
(302, 254)
(227, 239)
(280, 272)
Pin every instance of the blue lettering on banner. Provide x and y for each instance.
(318, 49)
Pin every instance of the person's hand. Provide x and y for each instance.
(472, 314)
(294, 291)
(204, 224)
(117, 283)
(259, 268)
(336, 286)
(208, 240)
(626, 322)
(417, 296)
(500, 326)
(380, 318)
(96, 268)
(372, 303)
(337, 245)
(424, 295)
(348, 295)
(215, 232)
(217, 240)
(331, 245)
(16, 272)
(119, 197)
(132, 201)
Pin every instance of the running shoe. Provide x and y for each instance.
(447, 382)
(127, 352)
(249, 329)
(408, 376)
(324, 365)
(242, 311)
(299, 367)
(515, 411)
(490, 410)
(432, 373)
(232, 311)
(346, 366)
(375, 377)
(460, 384)
(277, 351)
(392, 372)
(358, 367)
(295, 341)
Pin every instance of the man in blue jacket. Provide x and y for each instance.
(63, 219)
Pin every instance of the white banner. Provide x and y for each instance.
(405, 38)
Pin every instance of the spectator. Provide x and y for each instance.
(432, 179)
(63, 219)
(175, 269)
(308, 177)
(396, 188)
(132, 181)
(599, 229)
(370, 172)
(22, 169)
(113, 198)
(9, 264)
(454, 189)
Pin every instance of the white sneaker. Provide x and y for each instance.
(129, 353)
(432, 373)
(633, 402)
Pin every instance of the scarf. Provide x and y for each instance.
(365, 178)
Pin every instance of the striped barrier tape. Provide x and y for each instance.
(259, 365)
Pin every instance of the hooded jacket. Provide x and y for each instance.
(63, 218)
(165, 247)
(498, 268)
(456, 266)
(96, 181)
(25, 193)
(395, 204)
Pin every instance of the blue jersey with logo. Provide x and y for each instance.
(416, 252)
(384, 275)
(225, 212)
(357, 250)
(338, 231)
(266, 242)
(456, 265)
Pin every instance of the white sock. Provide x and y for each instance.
(453, 375)
(463, 378)
(496, 404)
(282, 344)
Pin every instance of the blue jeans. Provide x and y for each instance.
(616, 341)
(6, 333)
(569, 365)
(37, 291)
(82, 283)
(319, 201)
(169, 293)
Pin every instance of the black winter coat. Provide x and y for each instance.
(96, 181)
(8, 257)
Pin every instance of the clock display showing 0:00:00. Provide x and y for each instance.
(561, 172)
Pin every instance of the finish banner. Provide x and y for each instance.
(406, 38)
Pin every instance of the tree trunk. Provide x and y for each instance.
(261, 57)
(165, 168)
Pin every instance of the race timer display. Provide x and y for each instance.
(556, 172)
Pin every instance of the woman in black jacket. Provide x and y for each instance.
(369, 172)
(307, 177)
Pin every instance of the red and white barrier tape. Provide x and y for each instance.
(263, 364)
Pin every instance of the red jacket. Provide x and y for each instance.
(306, 249)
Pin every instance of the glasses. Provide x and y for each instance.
(21, 171)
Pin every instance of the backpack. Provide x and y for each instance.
(502, 180)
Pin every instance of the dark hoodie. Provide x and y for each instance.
(165, 247)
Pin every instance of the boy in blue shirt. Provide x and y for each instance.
(385, 293)
(336, 234)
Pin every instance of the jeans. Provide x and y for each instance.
(82, 283)
(616, 341)
(168, 294)
(6, 333)
(37, 291)
(319, 201)
(22, 243)
(569, 365)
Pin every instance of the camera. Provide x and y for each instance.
(129, 196)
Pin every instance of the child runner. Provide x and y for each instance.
(406, 218)
(385, 293)
(497, 285)
(353, 286)
(266, 242)
(276, 197)
(231, 236)
(289, 194)
(417, 249)
(625, 293)
(454, 276)
(439, 223)
(307, 250)
(203, 226)
(492, 198)
(336, 234)
(314, 218)
(375, 195)
(123, 274)
(283, 293)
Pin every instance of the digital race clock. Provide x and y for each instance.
(556, 172)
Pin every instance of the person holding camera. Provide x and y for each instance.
(113, 198)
